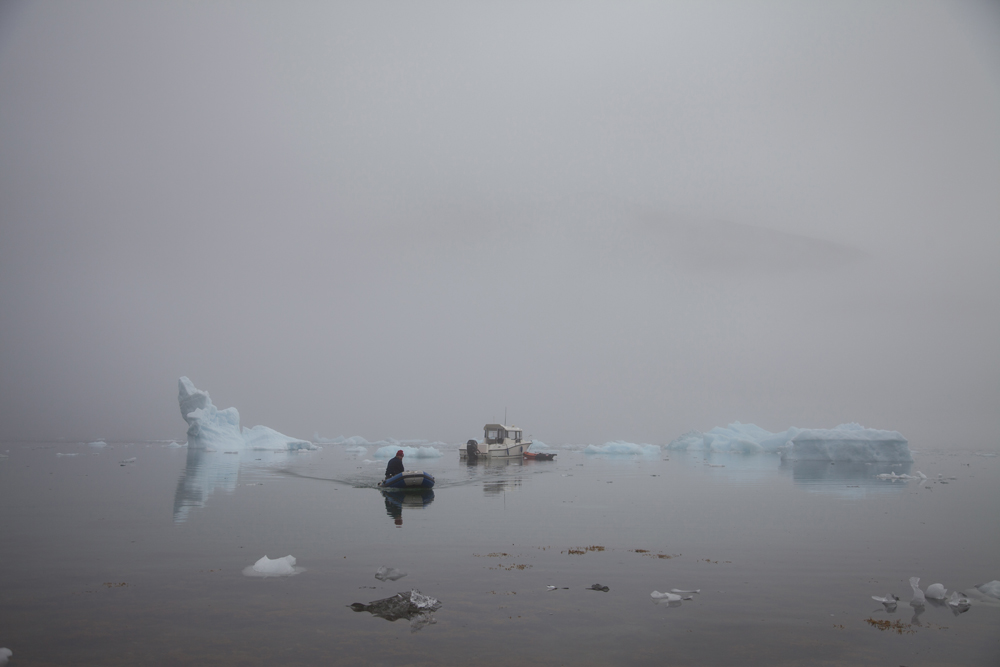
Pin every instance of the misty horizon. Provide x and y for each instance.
(614, 222)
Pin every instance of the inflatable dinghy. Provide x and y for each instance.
(416, 479)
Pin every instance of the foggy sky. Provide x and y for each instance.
(611, 220)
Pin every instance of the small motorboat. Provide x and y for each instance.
(412, 479)
(499, 442)
(538, 456)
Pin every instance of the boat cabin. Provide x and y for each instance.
(496, 433)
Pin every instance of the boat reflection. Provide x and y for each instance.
(493, 463)
(496, 486)
(395, 501)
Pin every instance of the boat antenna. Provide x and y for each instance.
(505, 415)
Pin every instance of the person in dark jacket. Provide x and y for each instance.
(395, 465)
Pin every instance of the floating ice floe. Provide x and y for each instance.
(389, 573)
(64, 454)
(680, 592)
(97, 443)
(277, 567)
(5, 654)
(847, 442)
(622, 448)
(936, 592)
(357, 450)
(211, 428)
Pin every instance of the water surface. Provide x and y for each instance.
(108, 560)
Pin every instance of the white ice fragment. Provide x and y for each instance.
(97, 443)
(277, 567)
(5, 654)
(918, 595)
(551, 588)
(417, 599)
(61, 454)
(680, 592)
(669, 597)
(936, 592)
(959, 602)
(389, 573)
(992, 589)
(889, 601)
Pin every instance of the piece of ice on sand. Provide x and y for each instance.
(992, 589)
(389, 574)
(936, 592)
(277, 567)
(918, 595)
(669, 597)
(889, 600)
(958, 602)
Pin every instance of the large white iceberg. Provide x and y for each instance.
(211, 428)
(847, 442)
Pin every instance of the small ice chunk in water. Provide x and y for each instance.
(936, 592)
(97, 443)
(992, 589)
(680, 592)
(5, 654)
(669, 597)
(421, 601)
(918, 595)
(889, 601)
(958, 602)
(277, 567)
(389, 573)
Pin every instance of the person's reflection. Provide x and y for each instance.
(395, 501)
(394, 508)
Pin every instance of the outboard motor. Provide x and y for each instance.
(472, 449)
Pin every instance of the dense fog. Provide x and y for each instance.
(604, 220)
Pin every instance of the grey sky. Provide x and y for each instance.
(616, 220)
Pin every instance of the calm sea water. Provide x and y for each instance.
(134, 554)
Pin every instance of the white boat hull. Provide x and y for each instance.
(507, 450)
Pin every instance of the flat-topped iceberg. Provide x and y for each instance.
(211, 428)
(847, 442)
(622, 448)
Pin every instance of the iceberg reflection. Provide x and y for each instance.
(845, 477)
